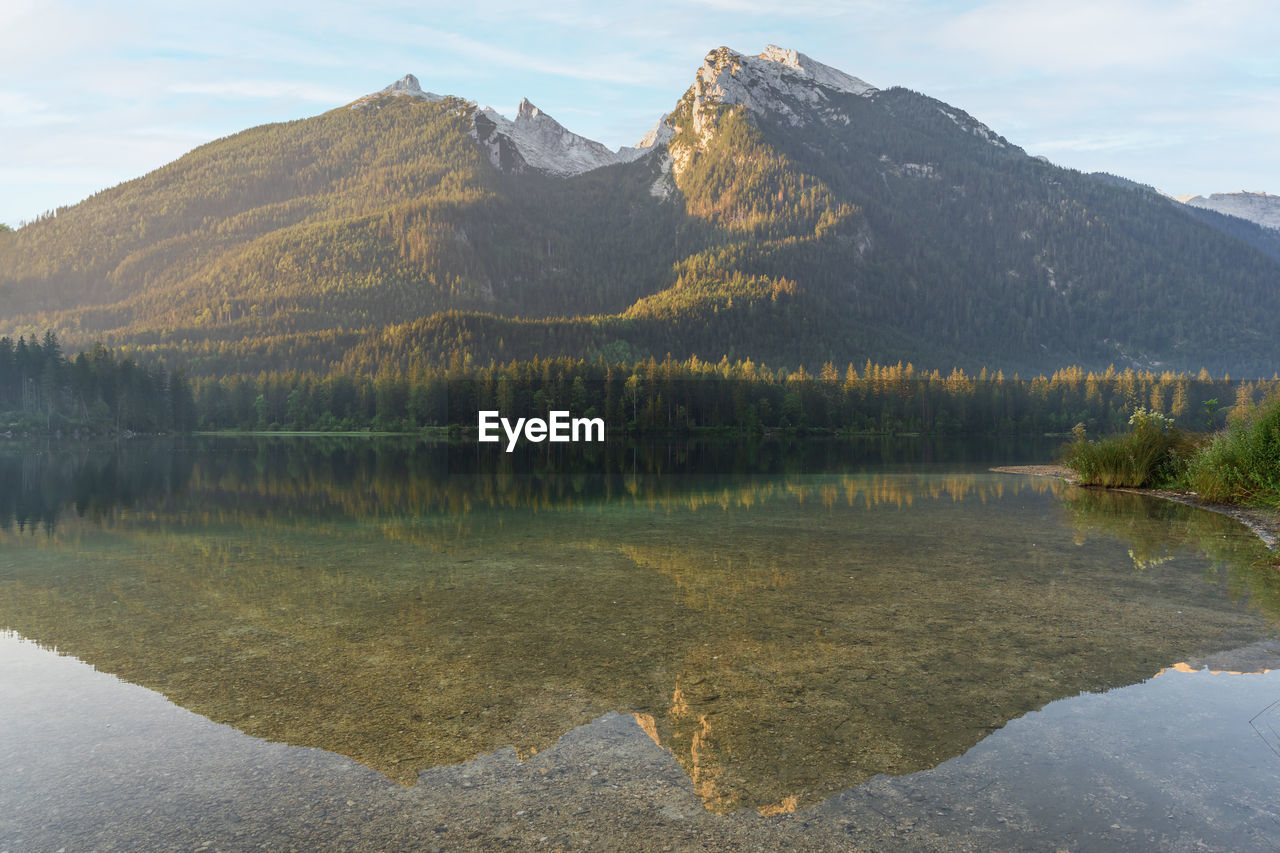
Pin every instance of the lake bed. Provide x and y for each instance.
(880, 644)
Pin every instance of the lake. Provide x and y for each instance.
(391, 643)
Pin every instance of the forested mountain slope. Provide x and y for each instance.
(784, 211)
(355, 218)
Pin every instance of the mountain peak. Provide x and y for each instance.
(659, 134)
(527, 111)
(406, 85)
(537, 140)
(779, 82)
(1259, 207)
(776, 63)
(823, 75)
(773, 53)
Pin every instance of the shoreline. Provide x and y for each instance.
(1264, 523)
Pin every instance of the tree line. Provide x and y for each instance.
(100, 391)
(41, 391)
(678, 396)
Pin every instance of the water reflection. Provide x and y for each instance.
(37, 487)
(787, 633)
(1156, 530)
(345, 476)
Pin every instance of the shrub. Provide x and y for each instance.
(1153, 453)
(1241, 464)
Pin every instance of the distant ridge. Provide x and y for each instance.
(1259, 207)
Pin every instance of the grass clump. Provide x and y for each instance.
(1153, 454)
(1241, 464)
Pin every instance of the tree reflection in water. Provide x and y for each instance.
(788, 622)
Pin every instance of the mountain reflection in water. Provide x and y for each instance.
(789, 624)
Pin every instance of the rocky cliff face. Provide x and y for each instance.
(1258, 207)
(536, 140)
(533, 140)
(789, 88)
(780, 82)
(785, 84)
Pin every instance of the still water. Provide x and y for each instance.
(788, 622)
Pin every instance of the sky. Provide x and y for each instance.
(1180, 94)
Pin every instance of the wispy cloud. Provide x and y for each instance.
(1114, 142)
(787, 10)
(37, 34)
(610, 67)
(1090, 35)
(265, 88)
(18, 109)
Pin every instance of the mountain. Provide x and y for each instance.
(535, 140)
(1261, 208)
(783, 211)
(366, 215)
(1266, 240)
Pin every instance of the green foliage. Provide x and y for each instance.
(676, 396)
(1241, 464)
(42, 392)
(1152, 454)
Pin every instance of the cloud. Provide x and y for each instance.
(36, 35)
(18, 109)
(1109, 142)
(260, 88)
(610, 67)
(791, 10)
(1092, 35)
